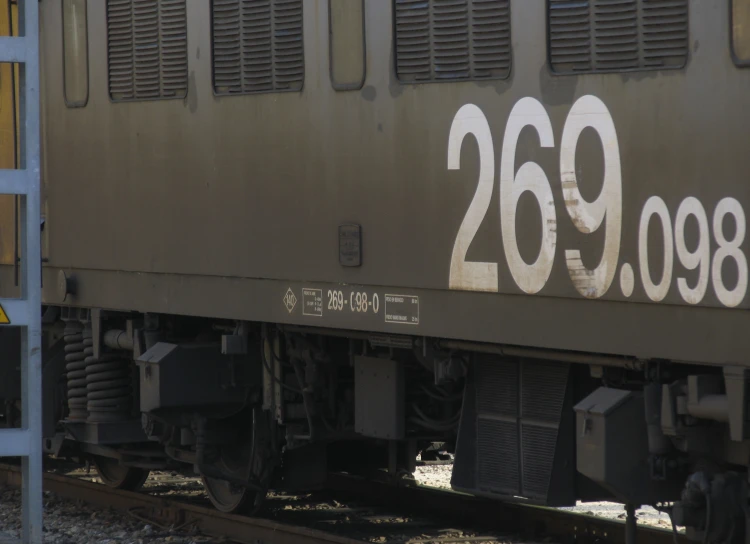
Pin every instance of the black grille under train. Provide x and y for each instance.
(510, 429)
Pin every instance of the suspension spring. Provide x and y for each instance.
(109, 384)
(76, 370)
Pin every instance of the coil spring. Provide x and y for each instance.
(76, 370)
(109, 383)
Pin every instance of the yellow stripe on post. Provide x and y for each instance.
(9, 132)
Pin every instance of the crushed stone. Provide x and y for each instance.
(73, 522)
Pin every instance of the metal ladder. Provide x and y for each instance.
(25, 312)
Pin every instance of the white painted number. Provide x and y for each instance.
(655, 206)
(472, 276)
(729, 250)
(701, 257)
(531, 278)
(335, 300)
(590, 112)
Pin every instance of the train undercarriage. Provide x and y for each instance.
(258, 406)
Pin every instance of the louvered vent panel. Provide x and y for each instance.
(490, 30)
(542, 395)
(413, 59)
(520, 406)
(498, 466)
(449, 40)
(120, 49)
(173, 34)
(146, 35)
(227, 45)
(665, 33)
(538, 445)
(570, 35)
(617, 35)
(147, 49)
(289, 63)
(258, 46)
(497, 387)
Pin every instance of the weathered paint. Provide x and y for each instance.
(230, 191)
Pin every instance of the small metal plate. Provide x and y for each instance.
(350, 245)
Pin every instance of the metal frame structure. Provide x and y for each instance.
(25, 312)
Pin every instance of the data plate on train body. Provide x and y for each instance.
(352, 303)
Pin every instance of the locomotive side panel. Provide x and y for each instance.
(209, 190)
(190, 224)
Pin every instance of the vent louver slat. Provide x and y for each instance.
(452, 40)
(258, 46)
(617, 35)
(147, 49)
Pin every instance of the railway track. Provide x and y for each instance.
(353, 510)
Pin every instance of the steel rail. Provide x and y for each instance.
(528, 521)
(531, 522)
(208, 521)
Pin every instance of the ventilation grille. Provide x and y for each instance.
(449, 40)
(538, 457)
(665, 33)
(147, 49)
(519, 408)
(542, 395)
(617, 35)
(498, 466)
(257, 46)
(497, 388)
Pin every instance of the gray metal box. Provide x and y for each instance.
(379, 398)
(612, 443)
(185, 375)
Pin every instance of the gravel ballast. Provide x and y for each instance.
(70, 522)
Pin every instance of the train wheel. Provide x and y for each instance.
(248, 460)
(227, 497)
(114, 475)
